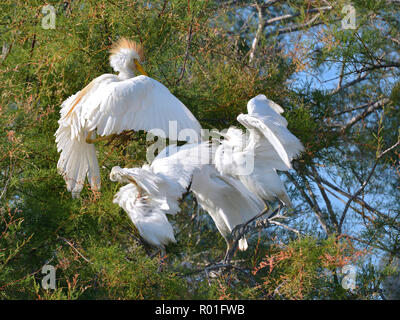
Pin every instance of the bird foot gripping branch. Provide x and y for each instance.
(240, 230)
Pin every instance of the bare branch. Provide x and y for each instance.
(189, 39)
(364, 184)
(285, 226)
(351, 207)
(357, 199)
(297, 27)
(363, 106)
(326, 198)
(76, 250)
(9, 174)
(258, 33)
(348, 84)
(294, 15)
(374, 106)
(311, 202)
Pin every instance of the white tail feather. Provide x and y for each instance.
(77, 160)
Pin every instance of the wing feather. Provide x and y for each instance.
(179, 163)
(227, 200)
(111, 105)
(264, 127)
(139, 103)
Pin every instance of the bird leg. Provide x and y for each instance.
(266, 222)
(239, 230)
(91, 141)
(230, 251)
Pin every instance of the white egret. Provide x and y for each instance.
(254, 160)
(227, 200)
(154, 191)
(109, 105)
(149, 219)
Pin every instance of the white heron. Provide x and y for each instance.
(109, 105)
(254, 160)
(227, 201)
(149, 219)
(155, 190)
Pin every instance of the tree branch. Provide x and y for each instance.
(375, 106)
(326, 198)
(189, 39)
(297, 27)
(294, 15)
(258, 33)
(364, 184)
(311, 202)
(348, 84)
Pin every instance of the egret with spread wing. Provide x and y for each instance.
(155, 190)
(111, 104)
(254, 160)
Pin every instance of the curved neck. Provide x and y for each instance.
(126, 74)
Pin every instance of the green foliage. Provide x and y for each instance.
(395, 94)
(307, 268)
(200, 51)
(12, 243)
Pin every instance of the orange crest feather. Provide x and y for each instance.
(125, 43)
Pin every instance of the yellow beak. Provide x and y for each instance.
(139, 67)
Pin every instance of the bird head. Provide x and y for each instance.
(126, 57)
(261, 105)
(116, 174)
(120, 175)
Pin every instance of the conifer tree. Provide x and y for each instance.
(332, 66)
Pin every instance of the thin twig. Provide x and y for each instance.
(189, 40)
(258, 33)
(364, 184)
(76, 250)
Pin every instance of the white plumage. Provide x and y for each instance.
(154, 191)
(254, 160)
(111, 104)
(149, 219)
(264, 115)
(227, 200)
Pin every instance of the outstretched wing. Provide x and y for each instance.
(263, 128)
(178, 163)
(262, 106)
(139, 103)
(268, 111)
(77, 158)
